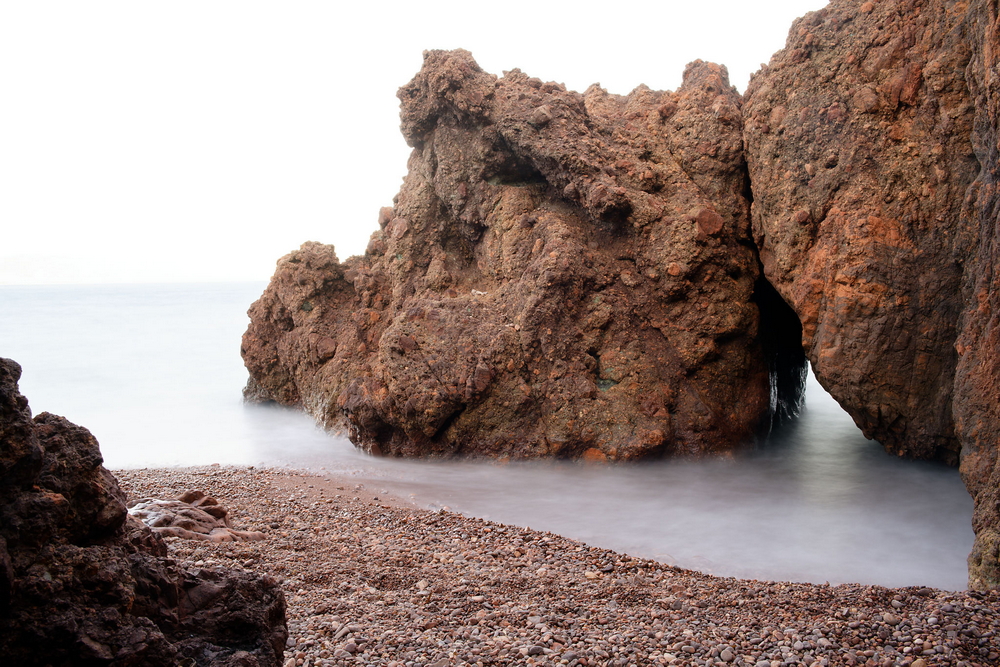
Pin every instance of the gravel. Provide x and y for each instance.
(371, 580)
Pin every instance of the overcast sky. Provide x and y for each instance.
(200, 141)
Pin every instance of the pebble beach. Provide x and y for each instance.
(371, 579)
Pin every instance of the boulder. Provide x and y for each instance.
(561, 273)
(81, 582)
(872, 144)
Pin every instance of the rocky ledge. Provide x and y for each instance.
(83, 583)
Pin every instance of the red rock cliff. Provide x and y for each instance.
(977, 379)
(858, 144)
(872, 145)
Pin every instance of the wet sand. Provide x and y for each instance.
(371, 579)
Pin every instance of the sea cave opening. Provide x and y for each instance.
(781, 338)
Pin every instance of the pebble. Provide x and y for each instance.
(382, 584)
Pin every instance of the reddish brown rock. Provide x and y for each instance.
(977, 381)
(560, 273)
(858, 145)
(873, 144)
(511, 302)
(82, 583)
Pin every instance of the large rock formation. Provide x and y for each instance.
(977, 381)
(561, 274)
(82, 583)
(565, 274)
(858, 144)
(872, 145)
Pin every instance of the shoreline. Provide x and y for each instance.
(371, 579)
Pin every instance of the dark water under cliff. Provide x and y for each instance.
(154, 371)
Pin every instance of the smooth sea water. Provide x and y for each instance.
(154, 372)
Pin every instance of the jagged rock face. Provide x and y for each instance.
(561, 274)
(858, 145)
(977, 381)
(81, 583)
(567, 274)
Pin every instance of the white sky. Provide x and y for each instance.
(199, 141)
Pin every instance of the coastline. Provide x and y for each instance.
(372, 580)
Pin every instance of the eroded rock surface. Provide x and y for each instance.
(858, 145)
(561, 274)
(977, 384)
(573, 275)
(83, 583)
(872, 142)
(192, 516)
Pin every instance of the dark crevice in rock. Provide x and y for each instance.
(780, 335)
(781, 340)
(514, 171)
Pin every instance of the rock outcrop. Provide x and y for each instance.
(562, 275)
(872, 143)
(574, 275)
(82, 583)
(977, 378)
(858, 145)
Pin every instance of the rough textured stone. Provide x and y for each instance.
(192, 516)
(858, 145)
(977, 382)
(560, 273)
(83, 583)
(542, 239)
(872, 143)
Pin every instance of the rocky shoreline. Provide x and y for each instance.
(583, 275)
(372, 581)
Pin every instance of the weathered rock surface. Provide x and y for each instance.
(858, 145)
(977, 380)
(561, 275)
(192, 516)
(83, 583)
(872, 142)
(568, 275)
